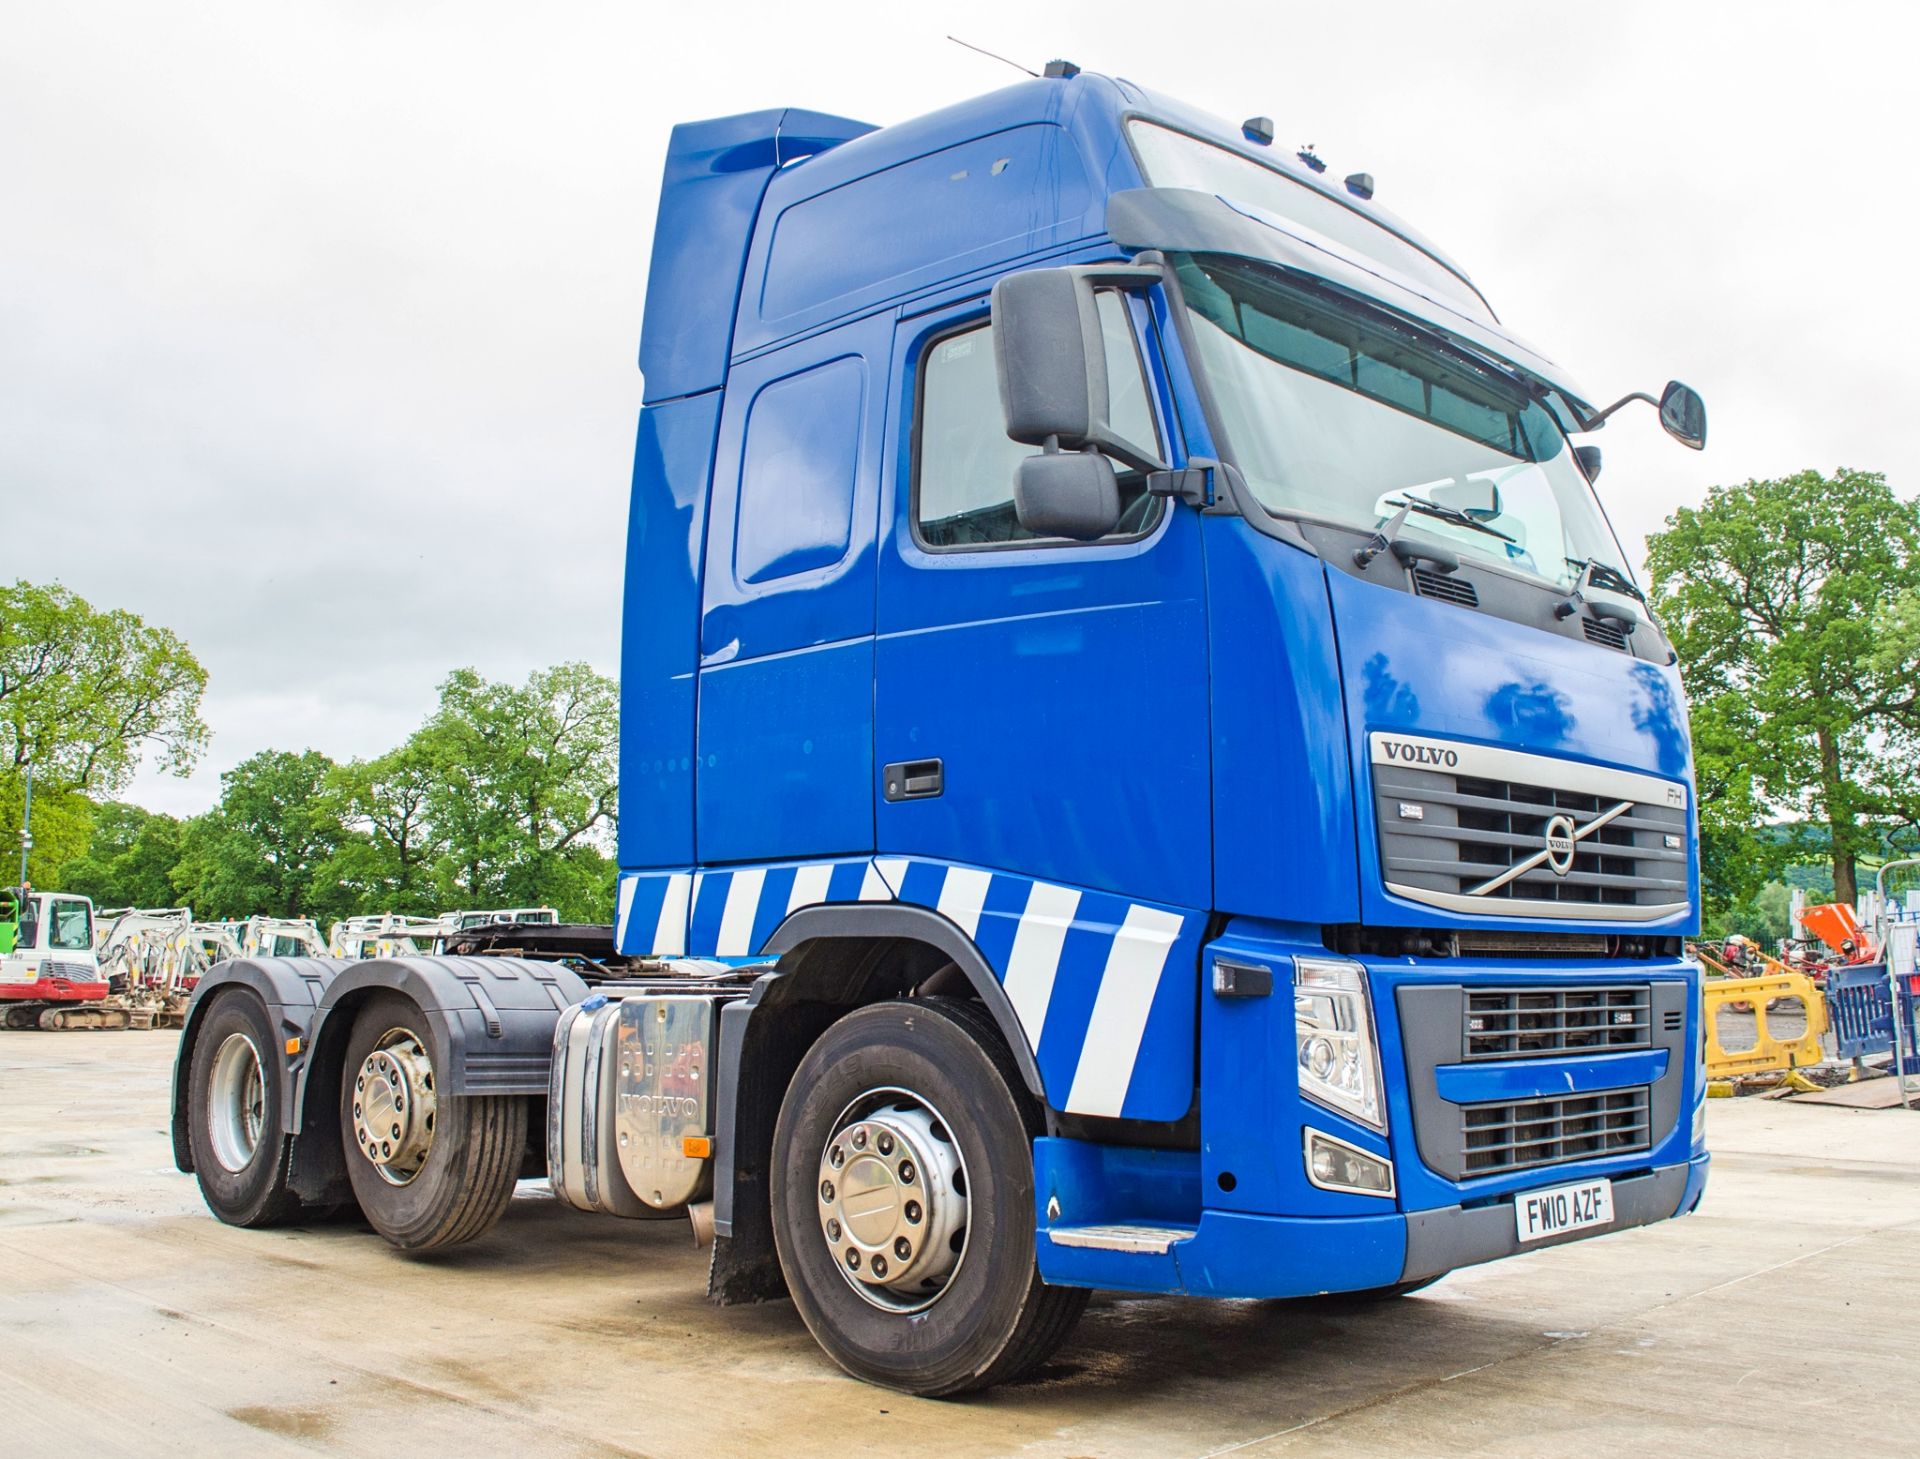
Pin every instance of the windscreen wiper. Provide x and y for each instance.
(1603, 575)
(1449, 514)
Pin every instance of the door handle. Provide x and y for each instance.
(913, 779)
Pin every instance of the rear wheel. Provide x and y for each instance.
(234, 1125)
(903, 1202)
(429, 1169)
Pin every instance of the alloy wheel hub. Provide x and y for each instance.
(394, 1107)
(892, 1201)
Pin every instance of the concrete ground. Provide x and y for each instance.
(1781, 1315)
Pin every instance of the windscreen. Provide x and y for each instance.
(1342, 413)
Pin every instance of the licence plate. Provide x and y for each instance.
(1563, 1208)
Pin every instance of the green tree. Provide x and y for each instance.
(85, 694)
(130, 860)
(523, 788)
(390, 865)
(266, 846)
(1774, 593)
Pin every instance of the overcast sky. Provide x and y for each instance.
(318, 321)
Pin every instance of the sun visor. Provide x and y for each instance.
(1181, 220)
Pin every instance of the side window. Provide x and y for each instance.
(964, 463)
(797, 471)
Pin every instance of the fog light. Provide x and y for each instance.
(1337, 1166)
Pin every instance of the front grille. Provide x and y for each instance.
(1446, 588)
(1467, 827)
(1606, 633)
(1497, 942)
(1523, 1023)
(1518, 1136)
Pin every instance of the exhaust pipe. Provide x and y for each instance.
(700, 1215)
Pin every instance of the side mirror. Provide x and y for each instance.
(1051, 357)
(1067, 494)
(1589, 459)
(1684, 414)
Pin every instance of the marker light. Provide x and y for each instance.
(1335, 1165)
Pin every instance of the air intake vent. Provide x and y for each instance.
(1605, 633)
(1554, 1129)
(1447, 589)
(1524, 1023)
(1673, 1020)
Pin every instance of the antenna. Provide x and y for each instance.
(985, 52)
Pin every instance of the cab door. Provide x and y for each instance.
(1042, 704)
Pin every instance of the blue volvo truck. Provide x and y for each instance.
(1144, 767)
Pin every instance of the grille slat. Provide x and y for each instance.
(1523, 1134)
(1454, 817)
(1519, 1023)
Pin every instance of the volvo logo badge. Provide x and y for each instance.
(1560, 844)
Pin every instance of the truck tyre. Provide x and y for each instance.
(234, 1126)
(428, 1169)
(903, 1202)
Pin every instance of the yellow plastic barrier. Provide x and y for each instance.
(1769, 1054)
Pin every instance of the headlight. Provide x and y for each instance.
(1333, 1037)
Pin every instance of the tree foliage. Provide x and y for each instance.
(130, 860)
(84, 695)
(524, 786)
(1795, 607)
(264, 848)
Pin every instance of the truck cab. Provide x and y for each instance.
(1143, 766)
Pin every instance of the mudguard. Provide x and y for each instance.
(291, 988)
(491, 1019)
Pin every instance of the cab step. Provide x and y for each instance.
(1152, 1240)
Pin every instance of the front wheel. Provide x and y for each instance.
(429, 1169)
(903, 1202)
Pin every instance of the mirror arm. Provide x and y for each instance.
(1594, 420)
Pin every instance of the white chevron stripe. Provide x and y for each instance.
(1120, 1009)
(893, 871)
(809, 885)
(1036, 953)
(628, 885)
(873, 886)
(962, 896)
(670, 934)
(736, 920)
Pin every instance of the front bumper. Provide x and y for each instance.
(1233, 1254)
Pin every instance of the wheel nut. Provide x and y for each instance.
(903, 1248)
(826, 1191)
(396, 1132)
(833, 1230)
(884, 1144)
(879, 1266)
(853, 1259)
(836, 1157)
(912, 1212)
(859, 1139)
(906, 1172)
